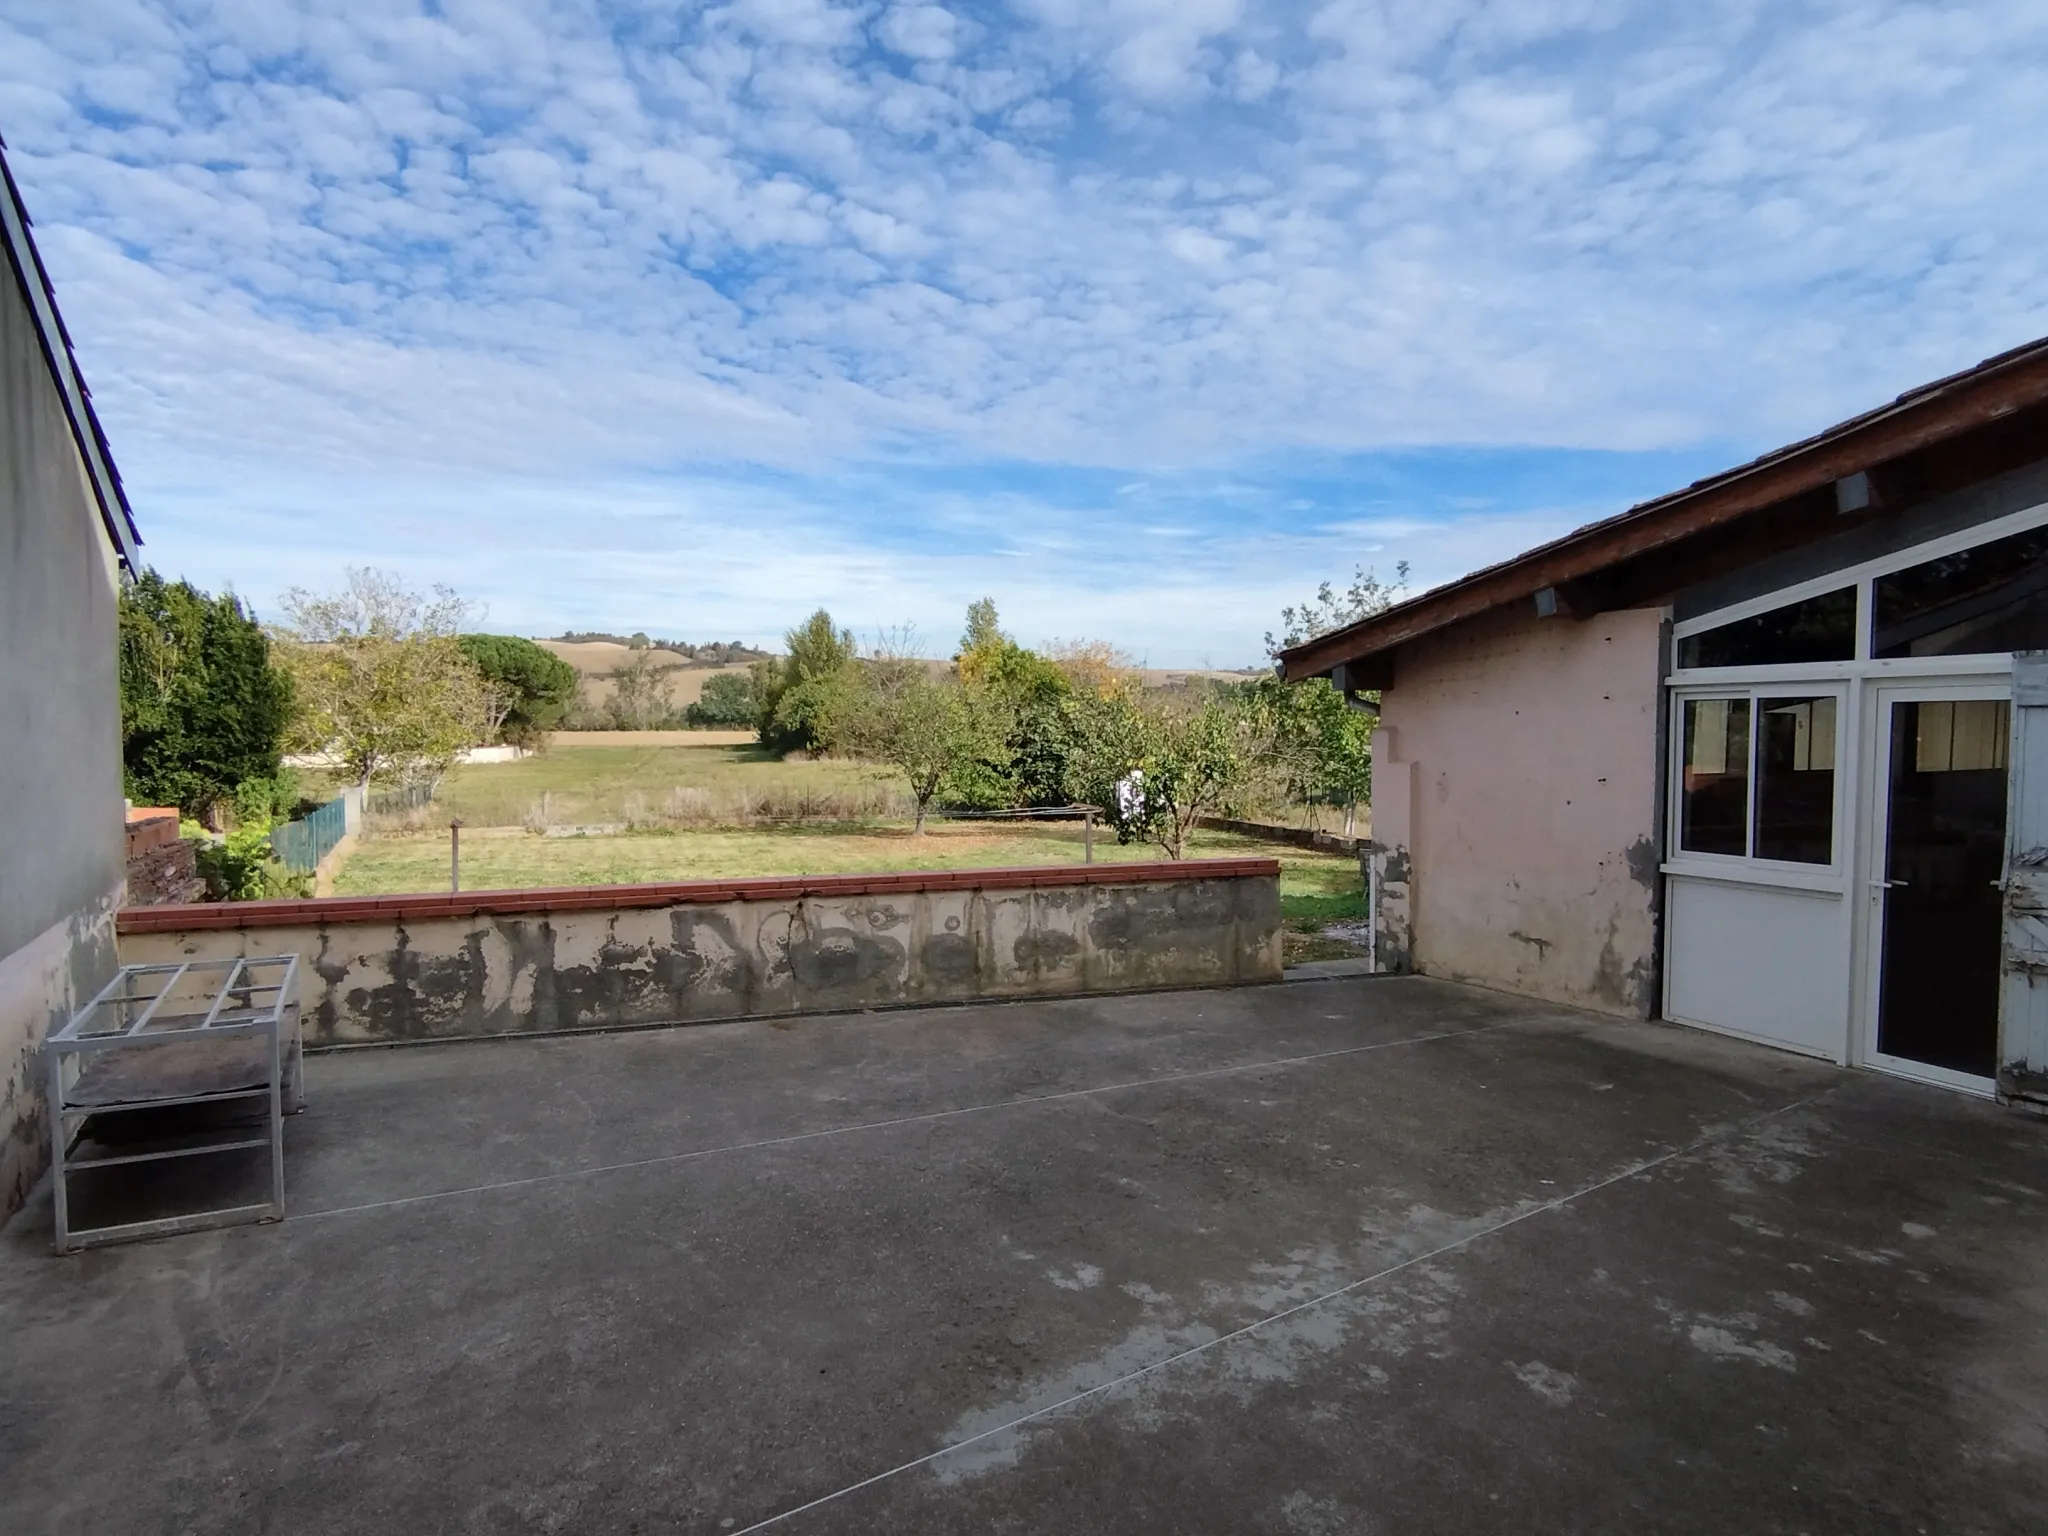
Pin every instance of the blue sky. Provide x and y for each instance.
(1142, 316)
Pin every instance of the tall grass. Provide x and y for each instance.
(649, 810)
(653, 787)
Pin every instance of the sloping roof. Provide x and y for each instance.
(41, 298)
(1917, 419)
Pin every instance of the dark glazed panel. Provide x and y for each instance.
(1976, 602)
(1815, 629)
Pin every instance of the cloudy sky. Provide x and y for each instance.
(1142, 316)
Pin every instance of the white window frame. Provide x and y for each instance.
(1867, 916)
(1746, 868)
(1860, 688)
(1862, 577)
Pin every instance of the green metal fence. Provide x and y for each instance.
(302, 844)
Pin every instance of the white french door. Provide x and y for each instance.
(1933, 870)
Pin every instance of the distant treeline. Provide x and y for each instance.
(712, 653)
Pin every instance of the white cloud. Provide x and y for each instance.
(920, 31)
(511, 237)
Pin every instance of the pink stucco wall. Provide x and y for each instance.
(1515, 799)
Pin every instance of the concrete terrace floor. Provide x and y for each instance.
(1334, 1256)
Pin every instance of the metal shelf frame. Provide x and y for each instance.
(142, 1043)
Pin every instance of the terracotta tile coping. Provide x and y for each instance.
(321, 910)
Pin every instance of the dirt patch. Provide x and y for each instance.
(1331, 941)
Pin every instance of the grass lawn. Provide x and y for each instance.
(1315, 888)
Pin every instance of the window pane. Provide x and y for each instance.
(1976, 602)
(1795, 780)
(1819, 629)
(1961, 736)
(1713, 808)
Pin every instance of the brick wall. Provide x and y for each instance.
(161, 865)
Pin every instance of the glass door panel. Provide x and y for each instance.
(1944, 858)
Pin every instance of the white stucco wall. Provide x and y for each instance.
(62, 850)
(1515, 799)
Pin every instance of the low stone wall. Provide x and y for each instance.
(595, 957)
(1299, 837)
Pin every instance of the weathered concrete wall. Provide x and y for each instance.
(1390, 868)
(42, 984)
(509, 962)
(61, 853)
(1298, 837)
(1515, 808)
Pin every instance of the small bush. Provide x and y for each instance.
(242, 866)
(280, 797)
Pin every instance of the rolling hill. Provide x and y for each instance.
(593, 659)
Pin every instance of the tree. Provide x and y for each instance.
(727, 700)
(996, 661)
(798, 697)
(1094, 666)
(982, 628)
(643, 695)
(1040, 747)
(1158, 764)
(1330, 610)
(1032, 690)
(809, 715)
(930, 730)
(203, 708)
(381, 678)
(535, 684)
(1321, 745)
(1108, 738)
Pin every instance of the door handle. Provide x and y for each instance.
(1888, 885)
